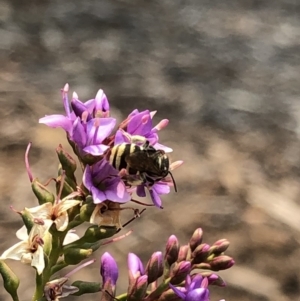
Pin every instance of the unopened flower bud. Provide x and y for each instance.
(10, 280)
(109, 272)
(222, 262)
(86, 211)
(196, 239)
(201, 253)
(138, 291)
(76, 255)
(135, 267)
(213, 279)
(183, 253)
(67, 188)
(180, 271)
(154, 268)
(109, 269)
(85, 287)
(42, 193)
(219, 246)
(172, 250)
(27, 219)
(67, 162)
(216, 280)
(95, 233)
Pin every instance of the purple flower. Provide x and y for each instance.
(84, 125)
(109, 272)
(155, 191)
(194, 290)
(135, 266)
(109, 269)
(104, 183)
(140, 124)
(99, 106)
(88, 136)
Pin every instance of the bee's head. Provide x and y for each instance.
(164, 166)
(162, 163)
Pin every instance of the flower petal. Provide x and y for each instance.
(199, 294)
(117, 192)
(96, 150)
(155, 198)
(22, 233)
(106, 125)
(140, 124)
(119, 138)
(38, 260)
(78, 134)
(101, 101)
(43, 211)
(87, 178)
(62, 221)
(179, 291)
(16, 251)
(98, 195)
(65, 205)
(55, 121)
(161, 188)
(140, 191)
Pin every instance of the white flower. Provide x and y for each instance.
(54, 213)
(30, 249)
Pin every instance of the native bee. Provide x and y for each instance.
(143, 163)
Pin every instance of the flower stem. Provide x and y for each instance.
(39, 287)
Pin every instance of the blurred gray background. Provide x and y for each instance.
(225, 73)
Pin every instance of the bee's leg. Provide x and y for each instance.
(143, 176)
(147, 181)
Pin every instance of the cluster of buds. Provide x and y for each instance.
(183, 273)
(116, 165)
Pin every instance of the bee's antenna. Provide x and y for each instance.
(175, 186)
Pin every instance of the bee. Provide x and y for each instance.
(143, 163)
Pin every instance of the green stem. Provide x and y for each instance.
(57, 241)
(15, 297)
(39, 287)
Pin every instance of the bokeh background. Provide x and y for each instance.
(225, 73)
